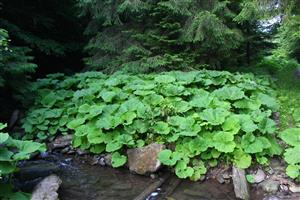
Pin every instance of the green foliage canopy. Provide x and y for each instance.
(144, 35)
(197, 112)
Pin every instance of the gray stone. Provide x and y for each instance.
(223, 177)
(47, 189)
(81, 152)
(259, 176)
(102, 161)
(35, 169)
(270, 186)
(240, 184)
(61, 141)
(107, 160)
(272, 198)
(220, 179)
(144, 160)
(284, 188)
(153, 176)
(294, 188)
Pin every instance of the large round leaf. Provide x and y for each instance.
(214, 116)
(291, 136)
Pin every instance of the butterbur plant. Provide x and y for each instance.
(206, 117)
(12, 151)
(291, 136)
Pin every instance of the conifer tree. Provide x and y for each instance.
(15, 63)
(147, 35)
(288, 37)
(50, 28)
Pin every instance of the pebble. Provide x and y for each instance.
(153, 176)
(284, 188)
(223, 177)
(101, 161)
(81, 152)
(107, 159)
(153, 194)
(226, 175)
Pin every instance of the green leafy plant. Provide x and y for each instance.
(12, 151)
(250, 178)
(291, 137)
(296, 114)
(207, 116)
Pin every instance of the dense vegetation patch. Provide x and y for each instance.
(12, 151)
(288, 91)
(203, 116)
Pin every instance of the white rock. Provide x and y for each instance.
(144, 160)
(47, 188)
(294, 188)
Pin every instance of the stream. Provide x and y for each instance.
(80, 180)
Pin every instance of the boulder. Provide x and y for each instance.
(144, 160)
(47, 189)
(240, 184)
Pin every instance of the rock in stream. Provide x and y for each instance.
(144, 160)
(47, 188)
(240, 184)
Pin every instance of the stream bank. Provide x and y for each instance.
(81, 180)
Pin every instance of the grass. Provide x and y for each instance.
(288, 87)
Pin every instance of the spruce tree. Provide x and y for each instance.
(146, 35)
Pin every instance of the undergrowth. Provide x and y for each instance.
(12, 151)
(204, 117)
(289, 95)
